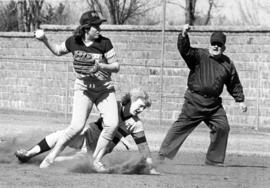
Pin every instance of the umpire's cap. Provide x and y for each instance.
(90, 18)
(218, 37)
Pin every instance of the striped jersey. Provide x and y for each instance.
(84, 57)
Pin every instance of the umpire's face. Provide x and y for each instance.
(216, 49)
(137, 107)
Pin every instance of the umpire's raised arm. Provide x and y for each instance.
(188, 53)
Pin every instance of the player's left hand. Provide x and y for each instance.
(243, 106)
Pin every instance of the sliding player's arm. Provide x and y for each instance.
(144, 149)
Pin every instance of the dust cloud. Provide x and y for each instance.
(117, 162)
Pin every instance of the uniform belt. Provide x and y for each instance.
(202, 94)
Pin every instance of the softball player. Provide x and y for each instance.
(94, 61)
(130, 107)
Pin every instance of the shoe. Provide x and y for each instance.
(99, 167)
(212, 163)
(21, 154)
(45, 163)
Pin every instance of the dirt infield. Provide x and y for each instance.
(186, 170)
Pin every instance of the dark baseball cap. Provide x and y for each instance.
(218, 37)
(91, 18)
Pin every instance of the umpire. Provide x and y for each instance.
(210, 70)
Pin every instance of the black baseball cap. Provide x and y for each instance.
(218, 37)
(91, 18)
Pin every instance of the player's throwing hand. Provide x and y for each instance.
(39, 34)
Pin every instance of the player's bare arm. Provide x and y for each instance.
(56, 49)
(144, 149)
(112, 67)
(142, 144)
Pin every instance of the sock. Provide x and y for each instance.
(43, 146)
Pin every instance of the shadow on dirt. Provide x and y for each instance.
(227, 165)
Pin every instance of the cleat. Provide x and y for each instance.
(21, 154)
(99, 167)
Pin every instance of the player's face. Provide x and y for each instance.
(137, 107)
(216, 49)
(93, 32)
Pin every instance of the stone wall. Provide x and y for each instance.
(33, 80)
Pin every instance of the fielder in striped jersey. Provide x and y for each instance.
(94, 60)
(131, 105)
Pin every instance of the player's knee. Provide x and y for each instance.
(112, 123)
(77, 125)
(71, 132)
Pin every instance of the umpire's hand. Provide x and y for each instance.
(185, 30)
(243, 106)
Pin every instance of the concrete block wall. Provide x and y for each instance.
(32, 79)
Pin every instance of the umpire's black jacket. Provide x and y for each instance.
(209, 75)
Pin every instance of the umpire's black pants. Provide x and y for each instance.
(198, 108)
